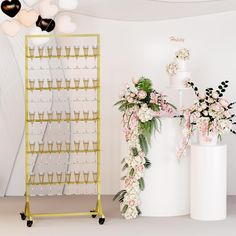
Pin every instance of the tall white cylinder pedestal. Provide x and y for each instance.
(166, 190)
(208, 182)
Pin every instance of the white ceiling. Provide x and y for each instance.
(152, 10)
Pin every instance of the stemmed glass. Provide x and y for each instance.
(86, 115)
(59, 181)
(67, 49)
(58, 49)
(86, 146)
(50, 117)
(40, 51)
(50, 83)
(32, 147)
(77, 145)
(32, 117)
(41, 181)
(59, 116)
(86, 178)
(31, 84)
(68, 144)
(76, 115)
(86, 83)
(41, 147)
(68, 117)
(40, 82)
(50, 181)
(31, 54)
(86, 49)
(95, 180)
(95, 54)
(49, 49)
(67, 84)
(76, 51)
(31, 182)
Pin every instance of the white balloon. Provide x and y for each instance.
(30, 2)
(68, 4)
(47, 10)
(65, 25)
(11, 28)
(39, 40)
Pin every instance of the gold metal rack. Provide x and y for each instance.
(47, 178)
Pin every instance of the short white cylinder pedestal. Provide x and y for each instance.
(166, 190)
(208, 182)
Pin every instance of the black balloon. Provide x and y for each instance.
(45, 24)
(11, 8)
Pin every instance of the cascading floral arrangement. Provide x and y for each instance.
(210, 115)
(142, 108)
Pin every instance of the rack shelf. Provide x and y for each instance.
(63, 88)
(63, 151)
(36, 155)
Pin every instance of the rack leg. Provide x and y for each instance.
(100, 212)
(27, 215)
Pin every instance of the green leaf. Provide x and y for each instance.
(124, 209)
(138, 210)
(125, 167)
(134, 151)
(141, 184)
(120, 193)
(147, 163)
(131, 173)
(143, 143)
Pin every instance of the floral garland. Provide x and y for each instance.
(142, 108)
(210, 115)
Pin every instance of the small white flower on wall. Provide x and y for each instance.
(39, 40)
(68, 4)
(11, 28)
(47, 10)
(65, 25)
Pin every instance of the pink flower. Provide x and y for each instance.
(224, 102)
(154, 98)
(130, 99)
(142, 94)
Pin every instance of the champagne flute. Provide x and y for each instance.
(86, 178)
(49, 50)
(67, 49)
(32, 147)
(50, 83)
(86, 49)
(68, 144)
(40, 83)
(59, 181)
(31, 54)
(95, 54)
(58, 49)
(77, 145)
(40, 52)
(76, 51)
(41, 181)
(67, 84)
(31, 84)
(76, 83)
(95, 180)
(31, 182)
(77, 115)
(50, 181)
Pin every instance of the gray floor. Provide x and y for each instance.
(11, 225)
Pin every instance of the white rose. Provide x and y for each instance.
(215, 95)
(224, 102)
(205, 113)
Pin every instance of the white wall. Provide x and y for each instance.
(133, 49)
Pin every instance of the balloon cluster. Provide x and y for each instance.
(41, 18)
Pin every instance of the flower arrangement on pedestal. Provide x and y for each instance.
(142, 108)
(210, 115)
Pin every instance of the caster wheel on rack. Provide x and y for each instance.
(101, 221)
(93, 216)
(29, 223)
(22, 216)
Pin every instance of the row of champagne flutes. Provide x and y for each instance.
(50, 183)
(66, 147)
(58, 116)
(59, 84)
(68, 51)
